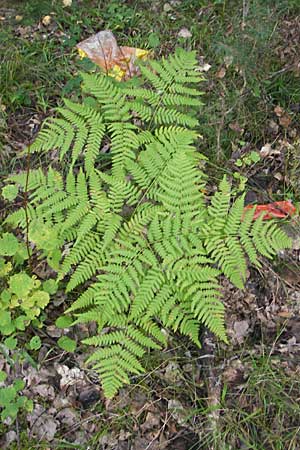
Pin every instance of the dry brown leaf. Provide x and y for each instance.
(285, 314)
(43, 425)
(204, 67)
(221, 73)
(285, 120)
(278, 176)
(266, 150)
(152, 421)
(272, 127)
(46, 20)
(241, 330)
(236, 127)
(184, 33)
(278, 111)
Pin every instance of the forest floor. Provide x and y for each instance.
(245, 395)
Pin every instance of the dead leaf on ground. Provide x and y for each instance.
(69, 376)
(285, 120)
(43, 425)
(236, 128)
(272, 127)
(152, 421)
(221, 73)
(67, 416)
(46, 20)
(45, 391)
(178, 411)
(266, 150)
(241, 330)
(184, 33)
(204, 67)
(278, 111)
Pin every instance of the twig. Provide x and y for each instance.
(25, 203)
(18, 434)
(246, 7)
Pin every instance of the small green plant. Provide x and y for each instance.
(11, 400)
(143, 226)
(22, 296)
(248, 159)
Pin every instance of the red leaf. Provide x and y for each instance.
(274, 210)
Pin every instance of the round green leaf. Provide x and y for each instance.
(22, 253)
(40, 298)
(10, 411)
(254, 156)
(20, 322)
(28, 405)
(5, 298)
(5, 318)
(3, 376)
(10, 343)
(67, 344)
(35, 343)
(8, 244)
(19, 385)
(50, 286)
(21, 284)
(7, 395)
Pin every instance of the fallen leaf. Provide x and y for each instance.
(69, 376)
(265, 151)
(151, 421)
(278, 176)
(240, 330)
(221, 73)
(272, 127)
(46, 20)
(228, 60)
(273, 210)
(278, 111)
(167, 7)
(285, 120)
(19, 18)
(285, 314)
(184, 33)
(43, 425)
(44, 390)
(236, 127)
(67, 416)
(204, 68)
(178, 411)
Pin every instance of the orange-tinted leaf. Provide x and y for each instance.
(274, 210)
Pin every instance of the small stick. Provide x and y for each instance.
(25, 203)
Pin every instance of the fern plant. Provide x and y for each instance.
(142, 226)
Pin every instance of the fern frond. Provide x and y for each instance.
(139, 235)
